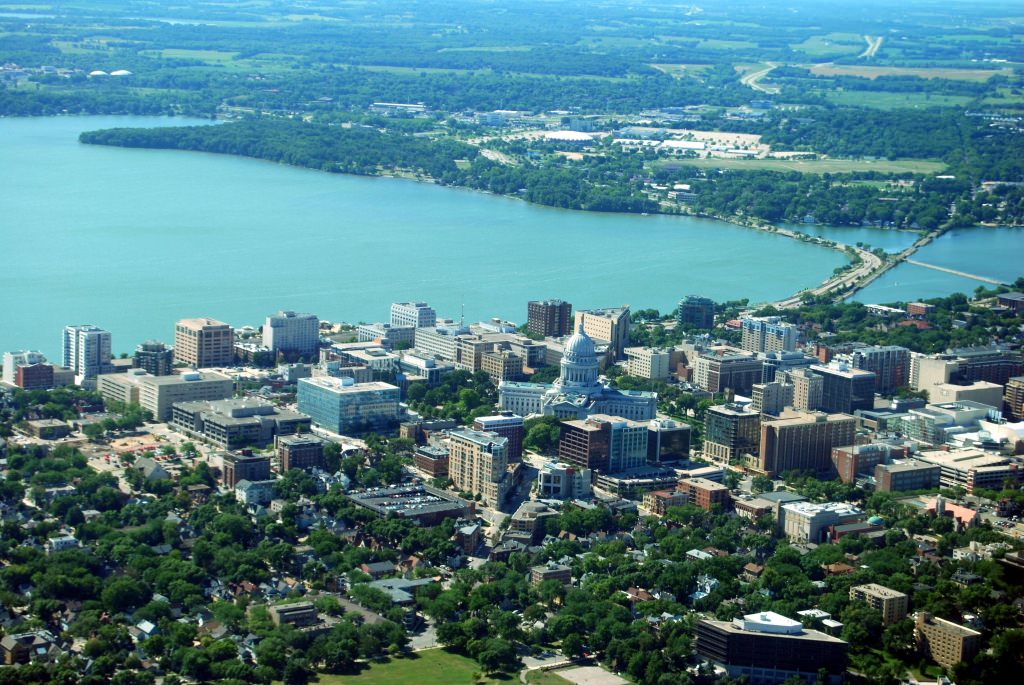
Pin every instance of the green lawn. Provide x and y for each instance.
(813, 166)
(429, 667)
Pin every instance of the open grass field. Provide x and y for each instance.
(831, 45)
(884, 99)
(921, 72)
(813, 166)
(429, 667)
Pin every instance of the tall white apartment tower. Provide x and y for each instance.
(418, 314)
(87, 351)
(288, 331)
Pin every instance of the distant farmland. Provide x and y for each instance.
(922, 72)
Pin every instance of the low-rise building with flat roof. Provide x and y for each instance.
(300, 451)
(659, 501)
(769, 648)
(158, 394)
(550, 571)
(432, 460)
(421, 503)
(809, 522)
(705, 493)
(232, 424)
(238, 467)
(563, 481)
(972, 468)
(907, 475)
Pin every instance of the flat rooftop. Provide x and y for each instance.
(967, 458)
(339, 385)
(878, 590)
(801, 418)
(805, 635)
(409, 501)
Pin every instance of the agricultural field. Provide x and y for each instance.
(884, 99)
(872, 72)
(831, 45)
(213, 57)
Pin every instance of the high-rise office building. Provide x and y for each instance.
(735, 371)
(667, 440)
(696, 311)
(289, 333)
(87, 351)
(844, 389)
(603, 443)
(478, 463)
(889, 363)
(154, 357)
(803, 441)
(775, 364)
(608, 325)
(730, 432)
(772, 398)
(204, 342)
(807, 389)
(507, 425)
(549, 317)
(1013, 399)
(343, 406)
(416, 314)
(653, 363)
(768, 334)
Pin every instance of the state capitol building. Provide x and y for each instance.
(579, 392)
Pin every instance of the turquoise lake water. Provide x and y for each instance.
(132, 240)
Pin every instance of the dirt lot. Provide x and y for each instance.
(592, 675)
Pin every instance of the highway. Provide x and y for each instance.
(870, 263)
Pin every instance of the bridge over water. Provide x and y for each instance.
(983, 279)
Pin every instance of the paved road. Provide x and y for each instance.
(426, 639)
(752, 79)
(873, 45)
(870, 264)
